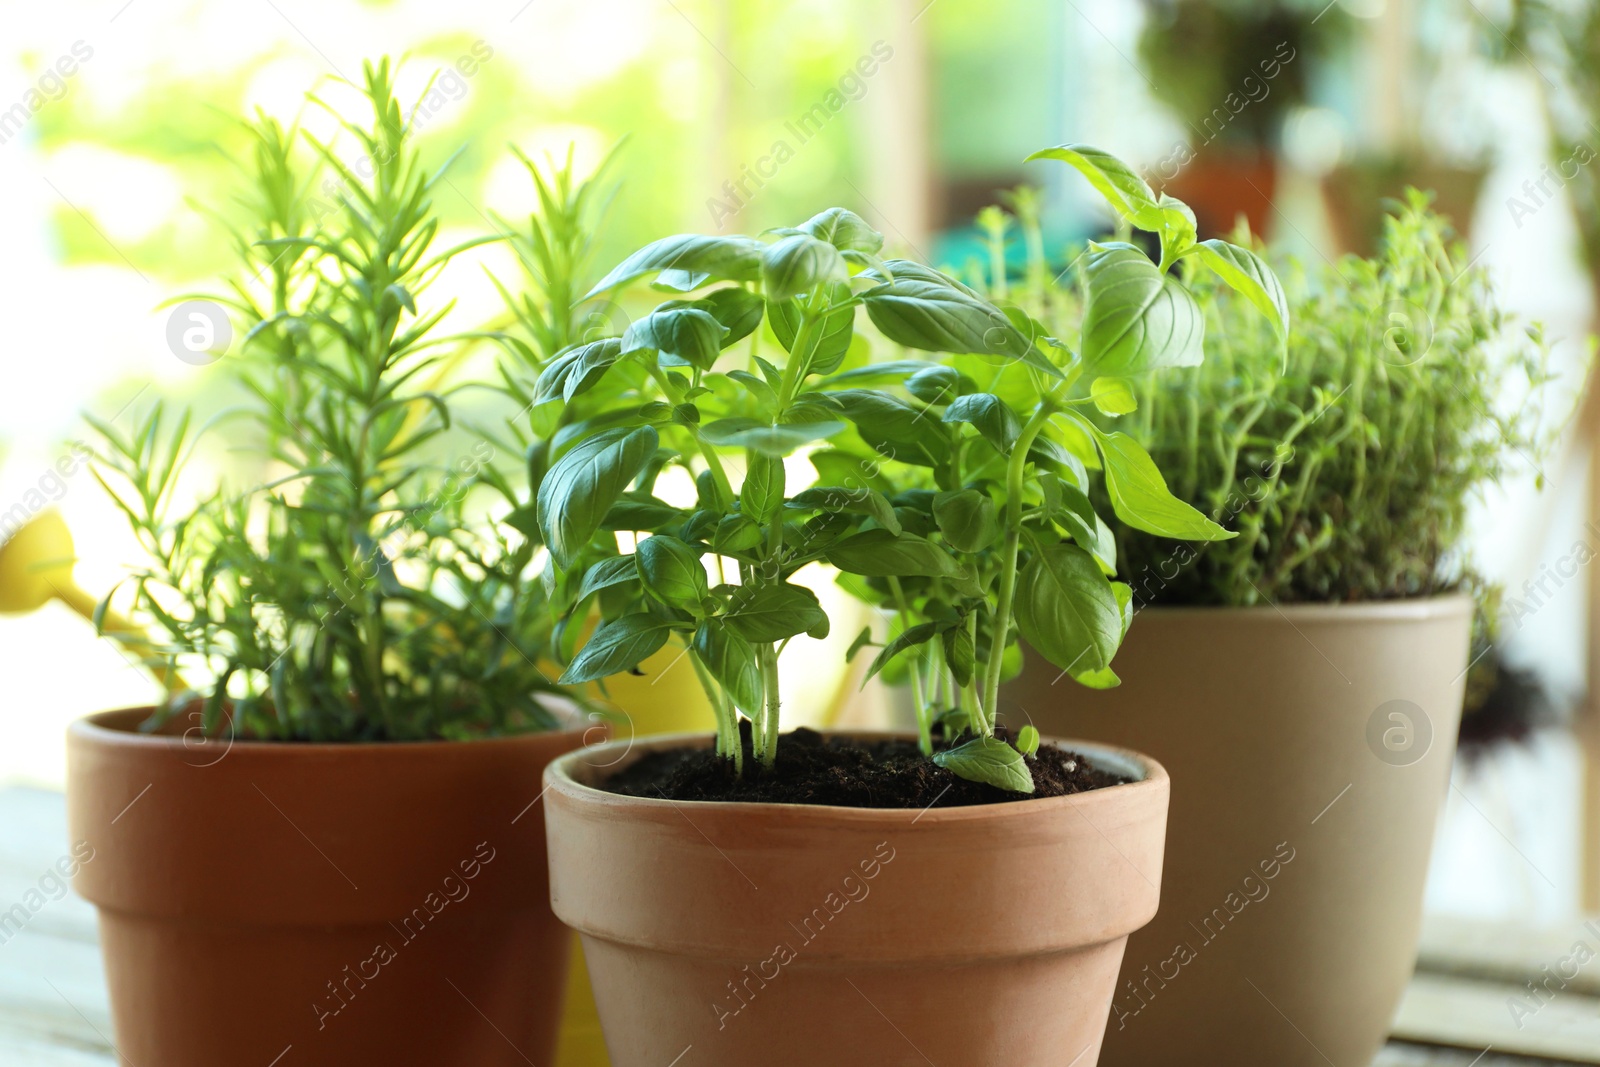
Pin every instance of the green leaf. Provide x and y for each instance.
(843, 229)
(738, 309)
(1249, 275)
(619, 645)
(733, 258)
(863, 639)
(861, 501)
(988, 760)
(881, 554)
(832, 336)
(967, 519)
(610, 572)
(1128, 194)
(799, 263)
(990, 416)
(1113, 396)
(924, 309)
(582, 485)
(1067, 610)
(939, 385)
(761, 495)
(1104, 678)
(673, 573)
(575, 369)
(1177, 228)
(735, 534)
(684, 335)
(1028, 740)
(1138, 318)
(960, 654)
(732, 662)
(773, 440)
(776, 611)
(886, 422)
(1140, 497)
(912, 636)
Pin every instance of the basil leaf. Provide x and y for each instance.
(1138, 318)
(799, 263)
(736, 308)
(838, 498)
(672, 573)
(1067, 610)
(575, 369)
(990, 416)
(732, 662)
(881, 554)
(843, 229)
(831, 337)
(1028, 740)
(923, 309)
(776, 612)
(1178, 227)
(1128, 194)
(761, 495)
(778, 439)
(960, 654)
(1113, 396)
(1248, 274)
(683, 335)
(1139, 494)
(988, 760)
(735, 534)
(614, 571)
(967, 519)
(619, 645)
(692, 256)
(939, 385)
(582, 485)
(912, 636)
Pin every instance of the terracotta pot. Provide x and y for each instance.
(1310, 751)
(793, 936)
(1220, 184)
(319, 904)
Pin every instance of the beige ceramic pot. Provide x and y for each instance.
(1310, 751)
(725, 935)
(313, 905)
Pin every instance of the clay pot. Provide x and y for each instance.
(319, 904)
(793, 935)
(1220, 184)
(1310, 751)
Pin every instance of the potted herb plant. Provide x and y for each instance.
(858, 899)
(319, 849)
(1303, 681)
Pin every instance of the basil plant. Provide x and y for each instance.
(937, 478)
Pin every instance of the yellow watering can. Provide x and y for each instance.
(36, 568)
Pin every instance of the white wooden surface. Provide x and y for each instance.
(53, 1010)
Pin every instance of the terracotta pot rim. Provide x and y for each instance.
(558, 776)
(119, 728)
(1358, 611)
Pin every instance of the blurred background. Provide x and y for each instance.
(120, 147)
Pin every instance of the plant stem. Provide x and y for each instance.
(718, 474)
(918, 700)
(769, 678)
(988, 707)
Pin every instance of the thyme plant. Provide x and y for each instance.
(352, 597)
(940, 481)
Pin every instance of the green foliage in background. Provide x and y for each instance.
(352, 597)
(1347, 464)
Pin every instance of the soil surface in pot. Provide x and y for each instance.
(814, 769)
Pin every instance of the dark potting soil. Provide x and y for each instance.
(814, 769)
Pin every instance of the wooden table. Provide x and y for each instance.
(53, 1010)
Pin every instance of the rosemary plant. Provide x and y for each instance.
(351, 597)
